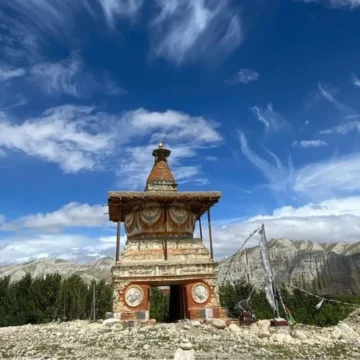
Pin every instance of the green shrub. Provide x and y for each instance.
(301, 305)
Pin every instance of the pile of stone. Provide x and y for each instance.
(187, 340)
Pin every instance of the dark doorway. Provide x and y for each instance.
(176, 303)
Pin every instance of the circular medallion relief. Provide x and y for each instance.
(134, 296)
(200, 293)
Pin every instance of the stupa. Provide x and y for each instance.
(161, 248)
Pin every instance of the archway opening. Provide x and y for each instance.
(168, 303)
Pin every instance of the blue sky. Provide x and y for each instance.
(257, 99)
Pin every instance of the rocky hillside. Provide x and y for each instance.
(98, 270)
(327, 269)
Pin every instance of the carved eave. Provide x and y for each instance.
(198, 202)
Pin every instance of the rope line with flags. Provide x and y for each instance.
(322, 299)
(232, 257)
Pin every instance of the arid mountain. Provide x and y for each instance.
(327, 269)
(98, 270)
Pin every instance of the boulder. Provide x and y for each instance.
(280, 338)
(263, 324)
(181, 354)
(195, 323)
(218, 323)
(264, 333)
(234, 328)
(111, 322)
(283, 331)
(336, 334)
(288, 339)
(254, 328)
(322, 339)
(347, 331)
(300, 335)
(186, 345)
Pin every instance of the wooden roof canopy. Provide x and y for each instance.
(122, 203)
(163, 190)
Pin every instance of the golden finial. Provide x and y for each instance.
(160, 144)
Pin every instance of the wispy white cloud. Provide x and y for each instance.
(63, 135)
(69, 77)
(352, 4)
(73, 247)
(78, 138)
(272, 120)
(334, 177)
(180, 30)
(124, 8)
(355, 80)
(61, 77)
(330, 221)
(184, 29)
(70, 215)
(329, 207)
(343, 129)
(184, 134)
(7, 73)
(308, 143)
(243, 76)
(58, 17)
(277, 175)
(335, 102)
(211, 158)
(337, 176)
(174, 125)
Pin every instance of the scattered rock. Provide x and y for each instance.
(300, 335)
(336, 334)
(218, 323)
(263, 324)
(110, 322)
(288, 339)
(195, 323)
(181, 354)
(347, 331)
(254, 328)
(186, 345)
(283, 331)
(234, 328)
(264, 333)
(82, 340)
(278, 338)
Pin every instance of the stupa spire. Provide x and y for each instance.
(161, 177)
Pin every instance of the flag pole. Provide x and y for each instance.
(272, 274)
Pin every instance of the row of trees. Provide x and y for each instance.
(46, 299)
(50, 298)
(301, 305)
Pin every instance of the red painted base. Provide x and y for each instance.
(279, 322)
(246, 319)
